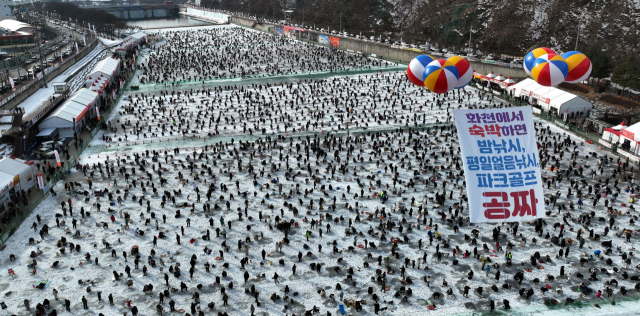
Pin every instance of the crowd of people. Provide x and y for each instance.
(233, 52)
(337, 103)
(375, 221)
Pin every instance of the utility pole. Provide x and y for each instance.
(44, 73)
(578, 35)
(470, 49)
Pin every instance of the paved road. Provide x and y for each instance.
(72, 37)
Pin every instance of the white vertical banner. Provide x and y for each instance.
(98, 113)
(40, 182)
(113, 93)
(501, 164)
(57, 158)
(13, 85)
(566, 114)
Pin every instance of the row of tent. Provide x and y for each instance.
(71, 116)
(550, 99)
(73, 113)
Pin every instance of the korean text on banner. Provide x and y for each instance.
(501, 164)
(98, 113)
(57, 158)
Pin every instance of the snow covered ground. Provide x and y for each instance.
(358, 102)
(108, 42)
(332, 182)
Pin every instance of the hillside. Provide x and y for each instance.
(499, 26)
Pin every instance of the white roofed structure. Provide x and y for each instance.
(72, 113)
(15, 26)
(551, 99)
(106, 67)
(130, 41)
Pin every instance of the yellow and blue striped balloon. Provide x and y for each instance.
(531, 57)
(441, 76)
(550, 72)
(579, 66)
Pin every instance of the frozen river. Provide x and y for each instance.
(247, 181)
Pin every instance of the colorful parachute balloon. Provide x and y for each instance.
(415, 71)
(579, 66)
(549, 72)
(535, 54)
(465, 72)
(441, 76)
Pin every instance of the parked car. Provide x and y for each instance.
(51, 144)
(44, 153)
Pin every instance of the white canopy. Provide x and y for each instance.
(106, 67)
(13, 25)
(509, 80)
(551, 97)
(16, 173)
(71, 112)
(130, 41)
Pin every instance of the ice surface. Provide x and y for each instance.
(351, 163)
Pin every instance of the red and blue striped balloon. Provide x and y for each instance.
(579, 66)
(441, 76)
(550, 72)
(415, 71)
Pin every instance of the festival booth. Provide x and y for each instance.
(501, 81)
(99, 85)
(131, 41)
(612, 134)
(106, 68)
(72, 115)
(15, 175)
(550, 99)
(629, 138)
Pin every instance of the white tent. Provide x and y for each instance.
(509, 81)
(15, 175)
(550, 98)
(612, 134)
(630, 135)
(71, 114)
(130, 41)
(107, 67)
